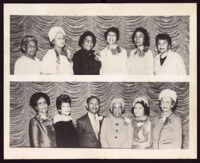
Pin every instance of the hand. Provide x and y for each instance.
(97, 56)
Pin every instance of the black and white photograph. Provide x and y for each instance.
(99, 115)
(94, 45)
(100, 81)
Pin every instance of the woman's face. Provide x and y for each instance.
(93, 106)
(88, 43)
(163, 46)
(65, 109)
(31, 49)
(138, 110)
(42, 106)
(117, 109)
(139, 39)
(166, 104)
(111, 38)
(59, 40)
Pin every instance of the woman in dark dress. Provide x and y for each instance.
(41, 131)
(66, 134)
(85, 61)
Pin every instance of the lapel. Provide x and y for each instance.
(167, 60)
(89, 125)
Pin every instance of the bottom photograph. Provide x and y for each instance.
(113, 115)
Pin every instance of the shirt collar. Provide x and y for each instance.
(92, 115)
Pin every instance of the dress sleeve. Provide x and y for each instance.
(17, 68)
(125, 58)
(182, 70)
(129, 137)
(77, 63)
(177, 133)
(150, 63)
(103, 141)
(80, 130)
(34, 133)
(48, 63)
(101, 59)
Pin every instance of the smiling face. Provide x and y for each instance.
(30, 50)
(163, 46)
(59, 40)
(139, 39)
(88, 43)
(111, 38)
(93, 106)
(138, 110)
(166, 104)
(42, 106)
(117, 109)
(65, 109)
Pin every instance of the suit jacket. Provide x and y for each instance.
(87, 137)
(168, 135)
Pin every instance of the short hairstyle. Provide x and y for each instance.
(117, 100)
(62, 99)
(146, 108)
(91, 97)
(174, 104)
(35, 97)
(163, 36)
(146, 36)
(84, 35)
(114, 30)
(25, 40)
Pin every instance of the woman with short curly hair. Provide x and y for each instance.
(85, 62)
(28, 63)
(66, 134)
(41, 131)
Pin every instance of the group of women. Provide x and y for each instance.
(115, 130)
(112, 60)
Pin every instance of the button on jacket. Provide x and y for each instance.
(116, 133)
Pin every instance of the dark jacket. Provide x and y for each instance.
(87, 137)
(84, 63)
(41, 132)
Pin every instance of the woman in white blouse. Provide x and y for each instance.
(167, 62)
(57, 60)
(113, 57)
(28, 64)
(140, 61)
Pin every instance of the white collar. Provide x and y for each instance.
(92, 115)
(59, 117)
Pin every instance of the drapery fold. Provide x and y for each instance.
(176, 26)
(21, 112)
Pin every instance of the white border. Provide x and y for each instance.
(189, 9)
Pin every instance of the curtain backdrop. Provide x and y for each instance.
(21, 112)
(176, 26)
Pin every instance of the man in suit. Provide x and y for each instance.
(88, 126)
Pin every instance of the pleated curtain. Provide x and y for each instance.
(176, 26)
(21, 112)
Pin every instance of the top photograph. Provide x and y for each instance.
(99, 45)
